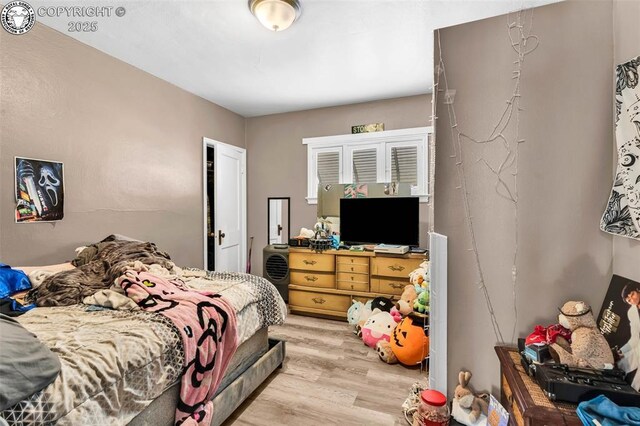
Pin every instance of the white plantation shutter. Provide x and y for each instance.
(404, 164)
(328, 167)
(389, 156)
(365, 165)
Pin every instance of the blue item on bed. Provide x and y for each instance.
(607, 413)
(12, 281)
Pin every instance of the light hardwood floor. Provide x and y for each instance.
(329, 378)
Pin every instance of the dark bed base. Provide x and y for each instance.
(162, 410)
(227, 401)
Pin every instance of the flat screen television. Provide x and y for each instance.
(388, 220)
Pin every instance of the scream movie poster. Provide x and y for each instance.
(39, 190)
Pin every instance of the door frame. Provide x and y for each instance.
(212, 143)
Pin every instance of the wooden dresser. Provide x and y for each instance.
(523, 398)
(325, 283)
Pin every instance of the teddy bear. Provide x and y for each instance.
(465, 398)
(385, 352)
(408, 296)
(588, 346)
(378, 327)
(421, 304)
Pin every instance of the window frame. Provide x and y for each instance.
(383, 142)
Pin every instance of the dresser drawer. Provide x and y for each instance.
(309, 299)
(313, 279)
(393, 266)
(352, 267)
(353, 260)
(352, 281)
(348, 284)
(512, 405)
(312, 262)
(388, 285)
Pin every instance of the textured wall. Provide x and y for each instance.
(131, 146)
(626, 33)
(277, 160)
(564, 176)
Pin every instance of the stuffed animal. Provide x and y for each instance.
(408, 296)
(358, 311)
(382, 303)
(421, 276)
(378, 327)
(395, 313)
(588, 346)
(385, 352)
(409, 342)
(421, 304)
(466, 398)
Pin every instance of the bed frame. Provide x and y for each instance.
(248, 376)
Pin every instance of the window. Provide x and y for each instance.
(389, 156)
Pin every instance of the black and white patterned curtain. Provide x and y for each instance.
(622, 215)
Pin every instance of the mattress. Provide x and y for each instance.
(161, 411)
(115, 363)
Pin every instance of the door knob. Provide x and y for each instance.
(221, 236)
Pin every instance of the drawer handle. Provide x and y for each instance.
(311, 278)
(351, 286)
(309, 262)
(396, 267)
(352, 269)
(351, 260)
(397, 286)
(318, 300)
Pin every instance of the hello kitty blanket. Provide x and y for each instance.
(207, 325)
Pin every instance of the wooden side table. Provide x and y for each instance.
(524, 399)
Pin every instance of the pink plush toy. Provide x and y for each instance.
(395, 313)
(378, 327)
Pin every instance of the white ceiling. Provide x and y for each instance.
(338, 52)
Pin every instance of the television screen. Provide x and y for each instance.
(389, 220)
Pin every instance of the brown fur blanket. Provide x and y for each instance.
(98, 266)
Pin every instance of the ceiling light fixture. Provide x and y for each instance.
(276, 15)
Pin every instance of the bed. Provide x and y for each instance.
(124, 367)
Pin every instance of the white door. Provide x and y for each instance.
(275, 221)
(229, 207)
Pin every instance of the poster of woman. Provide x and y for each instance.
(39, 190)
(619, 322)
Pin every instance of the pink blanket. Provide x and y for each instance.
(207, 324)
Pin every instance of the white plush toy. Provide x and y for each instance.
(421, 277)
(358, 311)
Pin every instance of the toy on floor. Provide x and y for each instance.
(358, 311)
(378, 327)
(385, 352)
(421, 304)
(408, 296)
(466, 399)
(409, 342)
(588, 346)
(395, 313)
(382, 303)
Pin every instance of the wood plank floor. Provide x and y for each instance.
(329, 378)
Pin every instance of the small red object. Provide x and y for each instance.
(433, 397)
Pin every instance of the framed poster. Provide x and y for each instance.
(619, 323)
(39, 190)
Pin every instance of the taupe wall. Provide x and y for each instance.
(277, 160)
(131, 146)
(626, 33)
(564, 176)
